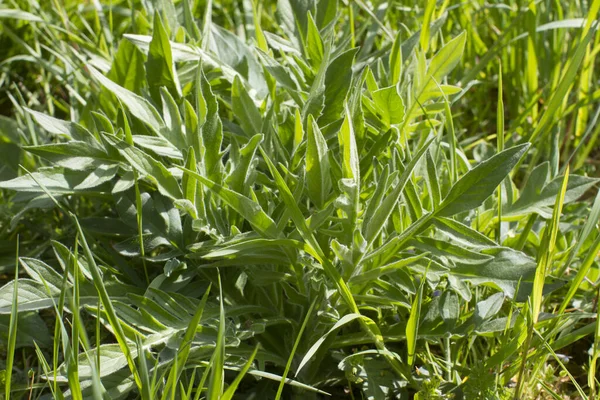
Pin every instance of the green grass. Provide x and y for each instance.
(299, 199)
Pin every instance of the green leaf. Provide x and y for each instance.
(441, 65)
(538, 195)
(507, 270)
(244, 206)
(138, 106)
(76, 155)
(245, 109)
(428, 13)
(186, 343)
(148, 167)
(189, 183)
(12, 327)
(162, 147)
(188, 18)
(395, 64)
(546, 250)
(327, 11)
(216, 381)
(211, 129)
(233, 52)
(449, 308)
(160, 67)
(350, 160)
(229, 393)
(237, 181)
(294, 17)
(412, 326)
(338, 79)
(111, 359)
(314, 44)
(451, 252)
(42, 273)
(373, 275)
(374, 225)
(11, 13)
(59, 181)
(315, 347)
(59, 127)
(389, 105)
(479, 183)
(32, 296)
(31, 329)
(350, 182)
(127, 69)
(462, 234)
(174, 125)
(318, 178)
(432, 181)
(280, 72)
(488, 308)
(439, 91)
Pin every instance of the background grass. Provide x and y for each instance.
(237, 199)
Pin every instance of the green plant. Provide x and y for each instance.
(278, 212)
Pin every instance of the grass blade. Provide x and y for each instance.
(215, 383)
(12, 329)
(236, 382)
(293, 352)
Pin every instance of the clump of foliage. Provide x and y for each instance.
(299, 198)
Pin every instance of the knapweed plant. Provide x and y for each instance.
(299, 199)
